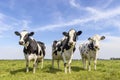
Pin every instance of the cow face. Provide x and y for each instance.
(24, 36)
(72, 36)
(95, 41)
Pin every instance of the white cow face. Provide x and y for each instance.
(95, 41)
(72, 36)
(24, 36)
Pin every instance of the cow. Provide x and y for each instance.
(63, 49)
(33, 50)
(89, 50)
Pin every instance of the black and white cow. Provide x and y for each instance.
(64, 48)
(33, 50)
(89, 50)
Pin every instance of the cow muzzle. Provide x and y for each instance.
(21, 42)
(97, 48)
(71, 43)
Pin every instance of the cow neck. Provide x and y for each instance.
(28, 43)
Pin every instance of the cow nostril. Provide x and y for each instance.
(96, 47)
(21, 42)
(71, 43)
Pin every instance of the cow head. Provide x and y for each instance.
(72, 36)
(24, 36)
(95, 41)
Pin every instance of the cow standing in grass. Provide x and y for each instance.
(64, 48)
(33, 50)
(89, 50)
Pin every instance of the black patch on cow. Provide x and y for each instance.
(74, 49)
(65, 45)
(87, 52)
(54, 44)
(91, 46)
(65, 64)
(56, 47)
(42, 45)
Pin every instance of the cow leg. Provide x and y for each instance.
(34, 65)
(27, 65)
(52, 62)
(89, 64)
(37, 62)
(95, 62)
(58, 61)
(84, 63)
(42, 63)
(65, 67)
(69, 63)
(65, 62)
(69, 66)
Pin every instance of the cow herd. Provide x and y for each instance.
(62, 49)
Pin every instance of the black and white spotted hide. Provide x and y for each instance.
(33, 50)
(89, 50)
(63, 49)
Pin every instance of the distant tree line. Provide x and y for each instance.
(114, 58)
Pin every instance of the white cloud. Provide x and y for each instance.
(96, 16)
(8, 23)
(73, 3)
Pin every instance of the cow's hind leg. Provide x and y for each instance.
(34, 65)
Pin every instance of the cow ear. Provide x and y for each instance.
(89, 38)
(17, 33)
(102, 38)
(31, 34)
(79, 32)
(65, 33)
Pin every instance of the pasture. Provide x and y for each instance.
(15, 70)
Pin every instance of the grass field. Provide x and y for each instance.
(15, 70)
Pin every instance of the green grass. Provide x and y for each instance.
(15, 70)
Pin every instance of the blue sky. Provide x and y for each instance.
(49, 18)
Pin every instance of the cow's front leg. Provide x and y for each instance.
(27, 65)
(58, 62)
(84, 63)
(69, 63)
(65, 62)
(89, 64)
(95, 62)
